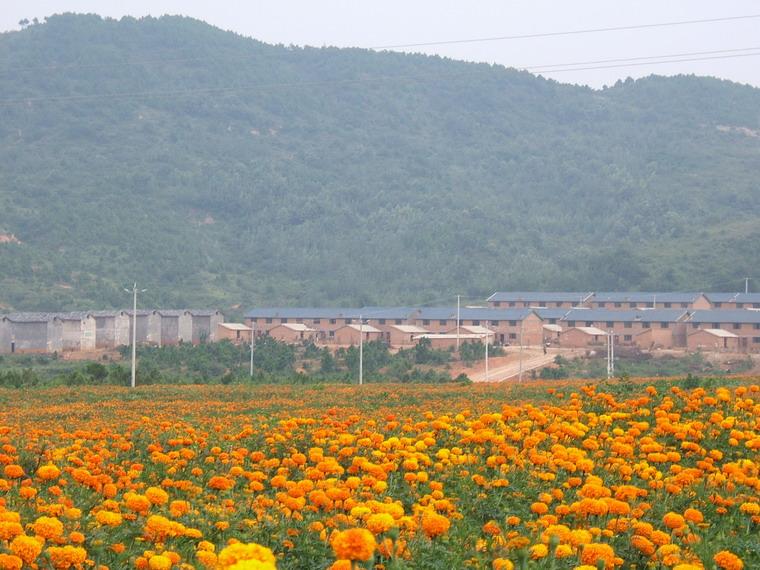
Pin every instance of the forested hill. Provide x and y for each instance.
(219, 170)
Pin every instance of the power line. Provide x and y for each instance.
(545, 69)
(570, 33)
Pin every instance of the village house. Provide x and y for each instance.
(583, 337)
(402, 336)
(645, 328)
(733, 300)
(745, 324)
(204, 324)
(147, 328)
(539, 299)
(29, 332)
(649, 300)
(175, 326)
(448, 341)
(111, 329)
(486, 334)
(76, 330)
(510, 326)
(293, 333)
(349, 335)
(261, 320)
(236, 333)
(712, 340)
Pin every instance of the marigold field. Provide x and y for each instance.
(561, 476)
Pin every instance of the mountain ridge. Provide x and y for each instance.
(336, 184)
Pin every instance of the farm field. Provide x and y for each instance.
(547, 474)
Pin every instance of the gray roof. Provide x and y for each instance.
(645, 297)
(171, 312)
(203, 312)
(385, 312)
(748, 298)
(484, 313)
(551, 313)
(540, 296)
(726, 316)
(29, 317)
(106, 313)
(644, 315)
(300, 312)
(721, 297)
(72, 315)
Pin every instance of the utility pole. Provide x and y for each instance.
(487, 335)
(134, 331)
(609, 355)
(458, 297)
(612, 354)
(519, 378)
(253, 334)
(746, 285)
(361, 350)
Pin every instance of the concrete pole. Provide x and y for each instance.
(521, 350)
(253, 334)
(361, 350)
(458, 297)
(486, 358)
(134, 335)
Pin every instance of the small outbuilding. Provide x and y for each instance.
(351, 334)
(582, 337)
(713, 339)
(236, 333)
(445, 341)
(293, 333)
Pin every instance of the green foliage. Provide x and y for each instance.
(423, 353)
(468, 178)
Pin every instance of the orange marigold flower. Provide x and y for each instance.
(354, 544)
(10, 562)
(380, 523)
(728, 560)
(693, 516)
(10, 529)
(594, 552)
(673, 521)
(26, 547)
(66, 556)
(48, 472)
(13, 471)
(48, 527)
(503, 564)
(434, 524)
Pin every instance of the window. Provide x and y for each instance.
(589, 323)
(511, 303)
(497, 303)
(716, 325)
(695, 325)
(283, 321)
(299, 321)
(551, 322)
(756, 305)
(601, 305)
(316, 321)
(398, 321)
(718, 304)
(628, 338)
(269, 320)
(756, 326)
(628, 325)
(425, 321)
(664, 325)
(618, 305)
(739, 305)
(513, 323)
(495, 323)
(684, 305)
(633, 305)
(558, 305)
(737, 326)
(442, 322)
(756, 339)
(333, 321)
(512, 336)
(571, 323)
(668, 305)
(348, 321)
(332, 333)
(646, 325)
(610, 324)
(381, 321)
(651, 305)
(475, 323)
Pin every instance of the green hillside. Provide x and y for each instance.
(218, 170)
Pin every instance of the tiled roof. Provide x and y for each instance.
(645, 315)
(540, 296)
(726, 316)
(645, 297)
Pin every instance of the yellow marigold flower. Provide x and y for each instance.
(728, 560)
(239, 551)
(503, 564)
(48, 527)
(64, 557)
(48, 472)
(207, 558)
(107, 518)
(434, 524)
(687, 567)
(160, 562)
(10, 562)
(380, 523)
(750, 508)
(137, 503)
(538, 551)
(26, 547)
(354, 544)
(563, 551)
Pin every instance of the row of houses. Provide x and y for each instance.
(91, 330)
(725, 329)
(624, 300)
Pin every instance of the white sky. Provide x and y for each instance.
(359, 23)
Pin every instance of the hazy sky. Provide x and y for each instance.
(360, 23)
